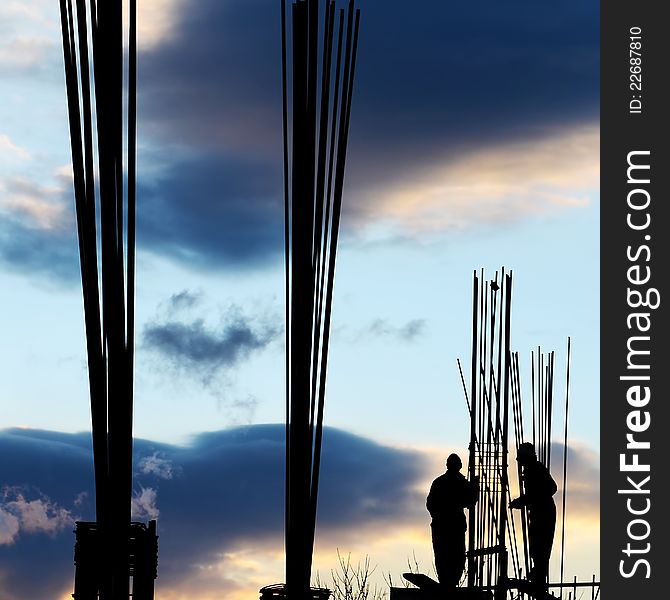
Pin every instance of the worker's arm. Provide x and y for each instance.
(519, 502)
(430, 500)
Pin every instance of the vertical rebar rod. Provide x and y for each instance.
(565, 458)
(287, 262)
(523, 512)
(474, 374)
(532, 400)
(502, 576)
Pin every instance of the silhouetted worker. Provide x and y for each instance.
(539, 487)
(449, 494)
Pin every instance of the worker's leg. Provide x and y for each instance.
(440, 550)
(449, 549)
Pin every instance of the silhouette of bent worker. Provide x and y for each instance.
(539, 487)
(449, 494)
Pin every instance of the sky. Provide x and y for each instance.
(474, 144)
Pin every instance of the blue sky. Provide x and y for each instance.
(474, 143)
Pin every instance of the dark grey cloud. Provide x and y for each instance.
(213, 211)
(216, 82)
(436, 79)
(194, 344)
(58, 466)
(433, 81)
(429, 77)
(195, 347)
(183, 300)
(223, 490)
(51, 254)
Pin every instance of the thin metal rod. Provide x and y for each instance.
(287, 263)
(565, 458)
(465, 390)
(474, 375)
(532, 400)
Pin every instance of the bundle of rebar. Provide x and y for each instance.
(318, 91)
(542, 409)
(496, 536)
(542, 396)
(104, 186)
(488, 404)
(542, 401)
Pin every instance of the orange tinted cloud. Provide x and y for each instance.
(496, 184)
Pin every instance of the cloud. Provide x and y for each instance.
(496, 185)
(30, 41)
(143, 504)
(448, 131)
(26, 54)
(39, 207)
(9, 527)
(156, 465)
(513, 52)
(472, 74)
(234, 217)
(220, 515)
(183, 300)
(214, 212)
(441, 124)
(206, 351)
(156, 21)
(47, 253)
(583, 480)
(80, 498)
(233, 112)
(50, 255)
(225, 498)
(206, 213)
(8, 149)
(37, 231)
(34, 13)
(381, 328)
(40, 515)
